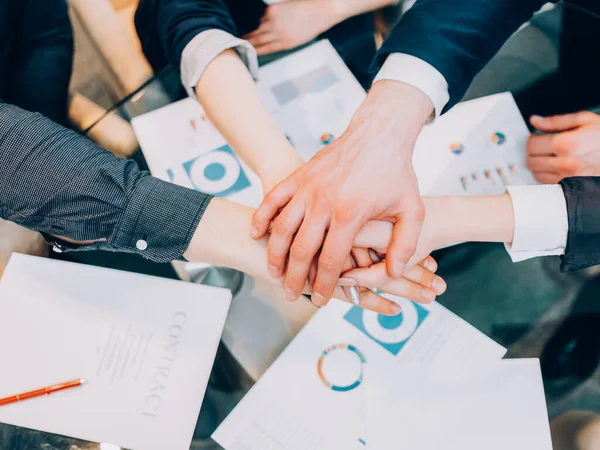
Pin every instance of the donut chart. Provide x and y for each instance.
(329, 351)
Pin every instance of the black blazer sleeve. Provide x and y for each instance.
(583, 208)
(165, 27)
(457, 37)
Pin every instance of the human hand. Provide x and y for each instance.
(377, 234)
(419, 284)
(490, 219)
(366, 174)
(573, 149)
(289, 24)
(221, 239)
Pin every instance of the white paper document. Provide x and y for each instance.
(314, 395)
(477, 148)
(473, 406)
(145, 345)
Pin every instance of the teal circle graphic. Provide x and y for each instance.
(214, 171)
(390, 322)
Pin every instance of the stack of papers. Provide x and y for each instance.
(426, 379)
(145, 345)
(315, 394)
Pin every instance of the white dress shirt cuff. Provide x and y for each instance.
(541, 221)
(416, 72)
(205, 47)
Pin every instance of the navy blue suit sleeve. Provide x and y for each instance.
(165, 27)
(457, 37)
(583, 208)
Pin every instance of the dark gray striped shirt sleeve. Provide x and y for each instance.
(57, 182)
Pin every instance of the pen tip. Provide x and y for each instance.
(82, 381)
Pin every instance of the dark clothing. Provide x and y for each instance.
(165, 27)
(457, 37)
(36, 53)
(574, 85)
(583, 207)
(57, 182)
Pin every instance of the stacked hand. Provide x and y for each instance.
(572, 147)
(367, 174)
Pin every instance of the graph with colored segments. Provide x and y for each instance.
(341, 347)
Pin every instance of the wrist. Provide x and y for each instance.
(277, 163)
(472, 219)
(336, 10)
(217, 239)
(396, 111)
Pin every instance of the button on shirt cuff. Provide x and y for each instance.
(418, 73)
(159, 220)
(205, 47)
(541, 221)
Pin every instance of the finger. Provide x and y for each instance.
(547, 178)
(262, 40)
(362, 257)
(425, 278)
(404, 240)
(305, 246)
(264, 27)
(430, 264)
(270, 206)
(563, 122)
(540, 145)
(336, 249)
(547, 164)
(375, 234)
(285, 225)
(561, 166)
(376, 276)
(272, 47)
(373, 302)
(401, 287)
(372, 276)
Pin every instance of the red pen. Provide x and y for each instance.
(43, 391)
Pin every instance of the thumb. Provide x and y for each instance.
(562, 122)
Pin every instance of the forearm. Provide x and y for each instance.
(57, 182)
(223, 239)
(230, 98)
(472, 219)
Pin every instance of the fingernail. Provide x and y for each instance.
(347, 282)
(318, 298)
(439, 285)
(354, 295)
(254, 232)
(430, 265)
(289, 295)
(427, 295)
(274, 271)
(538, 118)
(395, 309)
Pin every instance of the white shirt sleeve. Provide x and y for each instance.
(205, 47)
(418, 73)
(541, 221)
